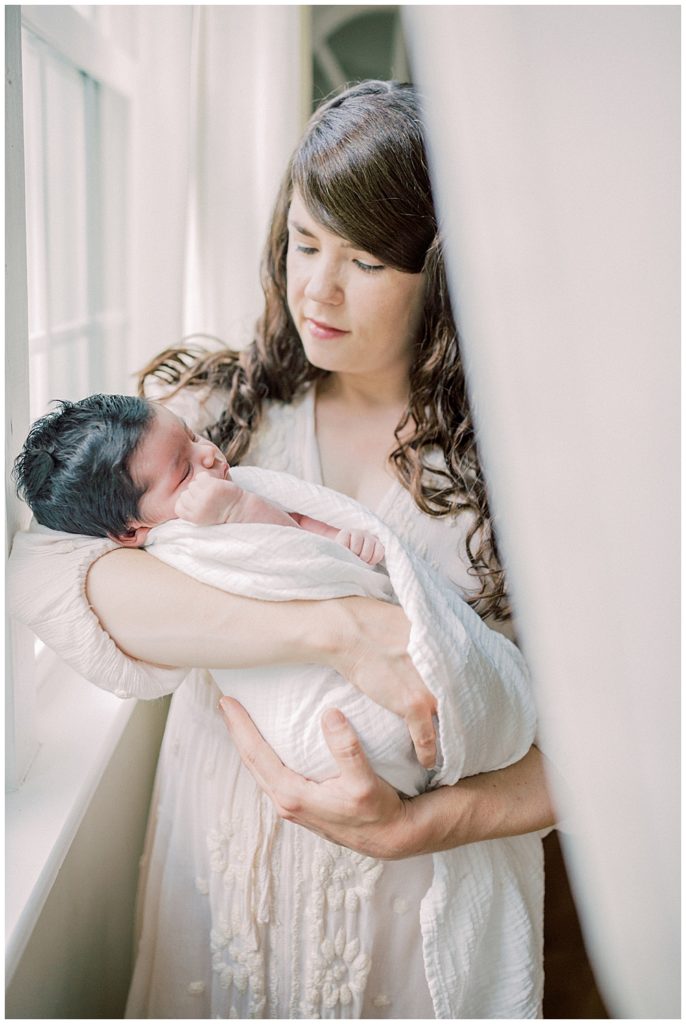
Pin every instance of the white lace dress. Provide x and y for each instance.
(243, 915)
(297, 926)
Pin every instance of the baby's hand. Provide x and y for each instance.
(208, 500)
(363, 544)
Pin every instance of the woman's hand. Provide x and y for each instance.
(356, 809)
(359, 810)
(371, 653)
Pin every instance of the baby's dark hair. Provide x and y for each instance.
(73, 470)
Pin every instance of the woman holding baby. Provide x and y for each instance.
(354, 381)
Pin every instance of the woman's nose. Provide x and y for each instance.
(323, 284)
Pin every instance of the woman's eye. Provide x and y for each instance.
(369, 268)
(306, 249)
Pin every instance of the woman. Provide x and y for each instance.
(355, 381)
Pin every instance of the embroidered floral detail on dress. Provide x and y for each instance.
(238, 962)
(344, 876)
(227, 847)
(339, 972)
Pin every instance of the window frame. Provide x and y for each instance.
(73, 38)
(58, 746)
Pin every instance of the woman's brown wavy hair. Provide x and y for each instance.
(362, 173)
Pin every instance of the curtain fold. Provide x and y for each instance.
(554, 138)
(246, 102)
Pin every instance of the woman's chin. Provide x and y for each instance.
(318, 356)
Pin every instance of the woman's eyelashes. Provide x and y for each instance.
(368, 268)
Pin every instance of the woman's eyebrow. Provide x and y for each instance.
(304, 231)
(300, 229)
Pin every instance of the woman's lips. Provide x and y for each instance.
(323, 331)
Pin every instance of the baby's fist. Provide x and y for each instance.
(207, 500)
(364, 545)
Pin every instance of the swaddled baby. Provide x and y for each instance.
(131, 470)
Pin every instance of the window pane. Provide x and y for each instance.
(66, 192)
(113, 159)
(33, 175)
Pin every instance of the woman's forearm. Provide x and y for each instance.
(155, 613)
(507, 802)
(161, 616)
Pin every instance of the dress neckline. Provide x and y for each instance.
(312, 462)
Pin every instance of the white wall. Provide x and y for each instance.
(555, 138)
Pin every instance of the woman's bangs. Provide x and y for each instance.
(346, 195)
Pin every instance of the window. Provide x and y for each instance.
(351, 42)
(70, 200)
(96, 185)
(75, 144)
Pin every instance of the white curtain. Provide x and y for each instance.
(247, 85)
(555, 143)
(160, 157)
(220, 103)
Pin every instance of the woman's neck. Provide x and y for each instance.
(361, 394)
(355, 429)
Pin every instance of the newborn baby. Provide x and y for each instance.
(131, 470)
(116, 466)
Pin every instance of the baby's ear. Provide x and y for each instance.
(134, 537)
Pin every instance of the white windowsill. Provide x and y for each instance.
(79, 727)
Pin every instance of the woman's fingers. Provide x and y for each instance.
(267, 769)
(345, 747)
(355, 808)
(419, 711)
(423, 735)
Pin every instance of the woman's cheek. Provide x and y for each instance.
(294, 285)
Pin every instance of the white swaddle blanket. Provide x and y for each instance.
(481, 918)
(486, 714)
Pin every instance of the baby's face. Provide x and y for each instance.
(167, 459)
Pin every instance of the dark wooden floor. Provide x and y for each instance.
(570, 989)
